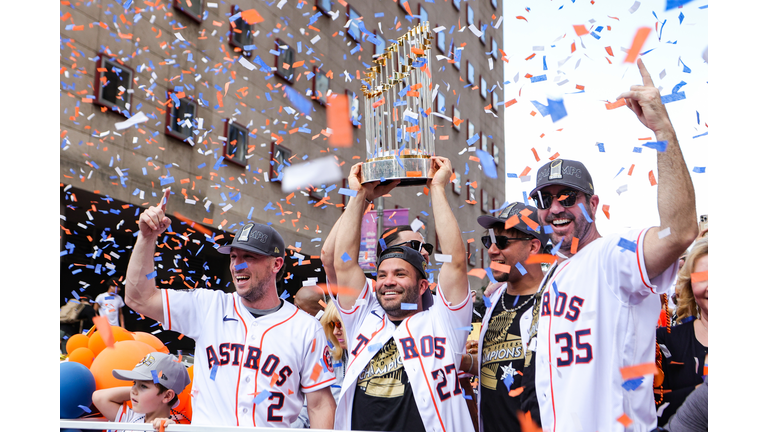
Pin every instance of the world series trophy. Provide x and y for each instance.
(398, 125)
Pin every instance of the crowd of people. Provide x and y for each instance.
(389, 351)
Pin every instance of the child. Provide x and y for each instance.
(152, 395)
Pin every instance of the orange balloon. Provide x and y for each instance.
(125, 355)
(191, 372)
(82, 355)
(76, 341)
(96, 343)
(184, 407)
(151, 340)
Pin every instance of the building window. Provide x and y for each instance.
(190, 8)
(482, 31)
(180, 117)
(353, 31)
(493, 3)
(457, 56)
(470, 73)
(457, 183)
(456, 115)
(240, 34)
(441, 41)
(280, 159)
(113, 85)
(494, 101)
(284, 61)
(237, 142)
(378, 49)
(457, 4)
(470, 130)
(471, 254)
(354, 107)
(495, 153)
(483, 88)
(470, 15)
(494, 49)
(423, 14)
(320, 86)
(440, 108)
(483, 200)
(484, 142)
(471, 187)
(324, 6)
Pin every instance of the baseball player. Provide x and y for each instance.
(404, 345)
(504, 331)
(256, 355)
(600, 303)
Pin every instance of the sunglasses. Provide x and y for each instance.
(417, 245)
(337, 324)
(501, 241)
(567, 198)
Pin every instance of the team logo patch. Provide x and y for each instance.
(327, 358)
(148, 360)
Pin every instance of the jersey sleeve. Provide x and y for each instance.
(626, 270)
(184, 311)
(353, 318)
(456, 319)
(317, 370)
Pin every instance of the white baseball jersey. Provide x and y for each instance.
(430, 344)
(525, 326)
(598, 314)
(126, 415)
(109, 306)
(248, 371)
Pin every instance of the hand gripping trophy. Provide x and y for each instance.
(398, 98)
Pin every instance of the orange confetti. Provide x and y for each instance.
(322, 303)
(652, 178)
(613, 105)
(526, 170)
(511, 222)
(535, 155)
(606, 207)
(636, 371)
(521, 17)
(575, 246)
(541, 258)
(626, 421)
(637, 44)
(477, 272)
(528, 221)
(408, 8)
(500, 267)
(105, 330)
(339, 123)
(509, 103)
(700, 276)
(527, 424)
(609, 50)
(580, 30)
(516, 392)
(631, 168)
(316, 372)
(275, 377)
(573, 47)
(413, 173)
(299, 63)
(531, 56)
(193, 225)
(251, 16)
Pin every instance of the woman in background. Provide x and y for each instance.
(334, 331)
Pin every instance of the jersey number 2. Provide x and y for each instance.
(567, 348)
(275, 406)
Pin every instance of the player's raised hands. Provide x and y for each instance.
(440, 171)
(372, 189)
(153, 221)
(645, 101)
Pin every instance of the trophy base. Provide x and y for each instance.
(390, 170)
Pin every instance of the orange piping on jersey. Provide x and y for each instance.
(365, 293)
(639, 266)
(315, 385)
(261, 343)
(168, 308)
(461, 305)
(549, 351)
(374, 333)
(424, 373)
(240, 367)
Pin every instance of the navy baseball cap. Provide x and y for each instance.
(564, 172)
(511, 210)
(257, 238)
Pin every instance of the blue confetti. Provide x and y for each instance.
(554, 288)
(383, 244)
(467, 328)
(152, 275)
(637, 150)
(601, 147)
(490, 274)
(632, 384)
(628, 245)
(543, 109)
(681, 16)
(374, 347)
(584, 212)
(487, 301)
(345, 257)
(408, 306)
(241, 266)
(261, 397)
(701, 135)
(556, 109)
(672, 97)
(539, 78)
(699, 170)
(488, 164)
(547, 229)
(520, 268)
(284, 295)
(659, 146)
(671, 4)
(556, 247)
(347, 192)
(517, 298)
(214, 369)
(84, 408)
(155, 378)
(509, 380)
(472, 140)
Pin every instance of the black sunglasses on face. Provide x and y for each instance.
(567, 198)
(501, 241)
(417, 245)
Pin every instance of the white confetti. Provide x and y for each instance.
(475, 31)
(135, 119)
(634, 7)
(443, 258)
(662, 74)
(498, 23)
(315, 39)
(179, 37)
(281, 4)
(490, 63)
(416, 225)
(665, 232)
(661, 409)
(621, 189)
(248, 65)
(438, 29)
(319, 171)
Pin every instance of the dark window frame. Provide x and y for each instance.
(290, 76)
(241, 148)
(98, 88)
(169, 117)
(232, 34)
(285, 154)
(177, 4)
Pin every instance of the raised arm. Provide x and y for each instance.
(348, 271)
(453, 275)
(141, 293)
(676, 197)
(327, 253)
(108, 401)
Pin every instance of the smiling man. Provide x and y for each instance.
(256, 355)
(504, 332)
(405, 344)
(600, 303)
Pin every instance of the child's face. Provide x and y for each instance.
(144, 397)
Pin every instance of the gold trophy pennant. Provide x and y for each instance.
(398, 125)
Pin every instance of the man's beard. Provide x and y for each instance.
(257, 292)
(410, 295)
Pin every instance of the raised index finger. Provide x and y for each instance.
(164, 202)
(647, 81)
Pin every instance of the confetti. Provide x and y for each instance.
(699, 170)
(345, 257)
(408, 306)
(626, 421)
(320, 171)
(632, 384)
(135, 119)
(488, 163)
(660, 146)
(443, 258)
(261, 397)
(374, 347)
(628, 245)
(700, 276)
(584, 212)
(214, 369)
(637, 371)
(339, 121)
(501, 267)
(665, 232)
(671, 4)
(637, 44)
(105, 330)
